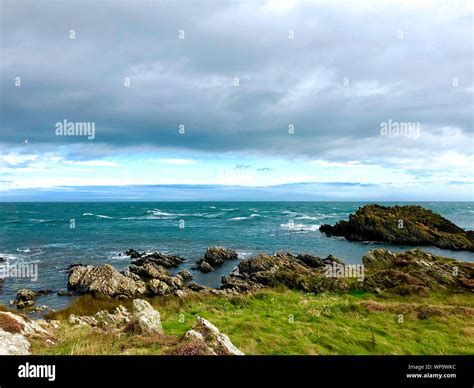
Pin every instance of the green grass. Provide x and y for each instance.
(280, 321)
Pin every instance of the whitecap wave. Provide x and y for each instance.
(244, 254)
(238, 218)
(306, 217)
(302, 228)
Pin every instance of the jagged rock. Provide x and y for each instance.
(213, 340)
(133, 253)
(158, 287)
(286, 269)
(196, 287)
(103, 319)
(78, 320)
(167, 261)
(104, 280)
(24, 298)
(415, 272)
(13, 344)
(185, 275)
(149, 269)
(205, 267)
(405, 225)
(146, 319)
(215, 257)
(180, 294)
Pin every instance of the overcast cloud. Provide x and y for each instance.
(349, 67)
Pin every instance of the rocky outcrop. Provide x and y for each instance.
(148, 275)
(104, 280)
(206, 339)
(415, 272)
(406, 225)
(215, 257)
(24, 298)
(160, 259)
(145, 318)
(301, 272)
(118, 318)
(133, 253)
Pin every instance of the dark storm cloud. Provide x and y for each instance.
(190, 81)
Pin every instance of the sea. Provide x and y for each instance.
(51, 236)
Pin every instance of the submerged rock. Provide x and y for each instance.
(415, 272)
(406, 225)
(133, 253)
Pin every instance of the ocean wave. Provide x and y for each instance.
(242, 218)
(303, 228)
(229, 209)
(26, 250)
(8, 256)
(97, 215)
(244, 254)
(306, 217)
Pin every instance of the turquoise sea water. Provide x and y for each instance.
(41, 233)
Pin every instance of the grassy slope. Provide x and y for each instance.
(289, 322)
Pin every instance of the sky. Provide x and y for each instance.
(251, 100)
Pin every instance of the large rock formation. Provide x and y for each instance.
(147, 275)
(215, 257)
(406, 225)
(104, 280)
(415, 272)
(302, 272)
